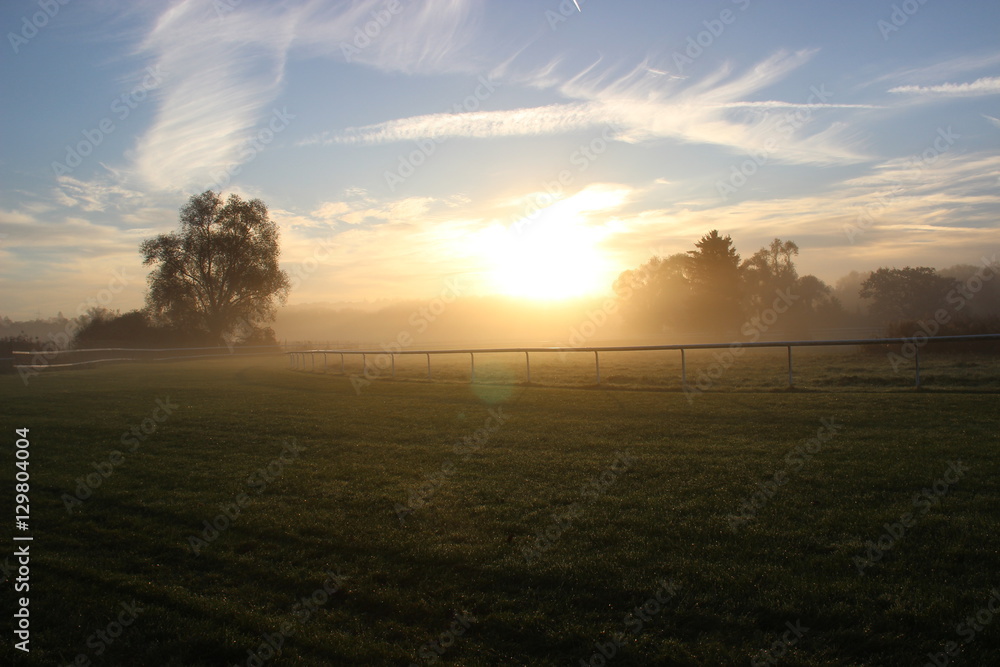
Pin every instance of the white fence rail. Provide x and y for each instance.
(45, 359)
(297, 360)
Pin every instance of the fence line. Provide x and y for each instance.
(297, 359)
(137, 354)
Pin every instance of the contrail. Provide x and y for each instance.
(577, 6)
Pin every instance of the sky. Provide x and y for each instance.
(410, 148)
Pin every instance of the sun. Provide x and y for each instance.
(551, 256)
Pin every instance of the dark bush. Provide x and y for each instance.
(133, 330)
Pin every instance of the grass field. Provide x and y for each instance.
(848, 523)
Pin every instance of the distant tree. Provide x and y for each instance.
(655, 295)
(815, 307)
(708, 291)
(714, 273)
(978, 290)
(219, 274)
(905, 294)
(769, 269)
(847, 290)
(774, 261)
(813, 293)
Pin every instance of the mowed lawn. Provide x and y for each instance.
(418, 523)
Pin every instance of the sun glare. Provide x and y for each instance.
(550, 256)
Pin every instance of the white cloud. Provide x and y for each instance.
(424, 36)
(332, 209)
(222, 71)
(640, 107)
(481, 124)
(983, 86)
(947, 69)
(15, 217)
(96, 195)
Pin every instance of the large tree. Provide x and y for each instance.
(714, 273)
(219, 274)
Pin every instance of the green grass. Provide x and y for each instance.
(461, 554)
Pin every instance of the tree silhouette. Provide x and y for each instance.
(714, 273)
(709, 292)
(655, 294)
(905, 294)
(768, 270)
(219, 274)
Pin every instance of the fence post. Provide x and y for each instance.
(326, 366)
(916, 361)
(790, 383)
(392, 359)
(597, 365)
(684, 371)
(428, 366)
(527, 366)
(364, 365)
(473, 356)
(312, 358)
(342, 371)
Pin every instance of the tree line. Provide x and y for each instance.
(710, 291)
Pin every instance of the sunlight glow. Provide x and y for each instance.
(551, 255)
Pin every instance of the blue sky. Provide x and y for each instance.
(526, 148)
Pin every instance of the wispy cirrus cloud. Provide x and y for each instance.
(223, 70)
(421, 37)
(98, 195)
(549, 119)
(944, 69)
(640, 107)
(983, 86)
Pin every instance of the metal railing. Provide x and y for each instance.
(297, 359)
(44, 359)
